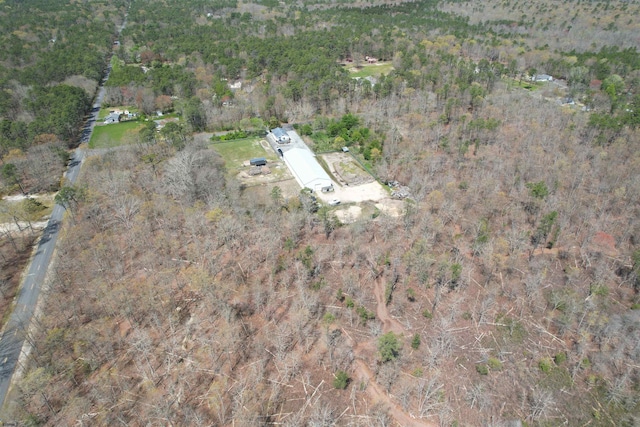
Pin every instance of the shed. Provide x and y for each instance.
(258, 161)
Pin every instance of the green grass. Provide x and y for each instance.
(113, 135)
(373, 70)
(238, 151)
(524, 84)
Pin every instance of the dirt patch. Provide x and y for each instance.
(391, 207)
(349, 215)
(275, 171)
(346, 170)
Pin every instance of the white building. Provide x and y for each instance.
(307, 171)
(281, 136)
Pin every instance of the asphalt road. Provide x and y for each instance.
(17, 327)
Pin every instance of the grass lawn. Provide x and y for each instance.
(238, 151)
(374, 70)
(113, 135)
(524, 84)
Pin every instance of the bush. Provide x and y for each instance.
(415, 342)
(545, 364)
(365, 314)
(349, 302)
(411, 294)
(427, 314)
(482, 369)
(389, 347)
(560, 358)
(341, 380)
(494, 364)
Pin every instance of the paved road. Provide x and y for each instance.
(17, 327)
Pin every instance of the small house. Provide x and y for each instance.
(542, 78)
(281, 136)
(258, 161)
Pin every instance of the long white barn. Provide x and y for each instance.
(307, 170)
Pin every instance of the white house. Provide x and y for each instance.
(281, 136)
(542, 78)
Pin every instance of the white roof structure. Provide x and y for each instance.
(307, 170)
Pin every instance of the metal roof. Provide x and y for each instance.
(306, 169)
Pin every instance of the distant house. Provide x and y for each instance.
(542, 78)
(113, 117)
(281, 136)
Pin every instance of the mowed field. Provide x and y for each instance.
(113, 135)
(235, 153)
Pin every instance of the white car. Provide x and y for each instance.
(334, 202)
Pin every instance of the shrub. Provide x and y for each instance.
(538, 190)
(482, 369)
(415, 342)
(341, 380)
(349, 302)
(411, 294)
(328, 318)
(389, 347)
(545, 364)
(427, 314)
(560, 358)
(494, 364)
(365, 314)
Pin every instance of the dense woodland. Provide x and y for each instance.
(507, 291)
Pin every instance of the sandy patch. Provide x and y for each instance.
(372, 191)
(391, 207)
(349, 215)
(22, 226)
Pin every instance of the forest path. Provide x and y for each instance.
(363, 372)
(389, 324)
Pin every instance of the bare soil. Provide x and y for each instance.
(346, 170)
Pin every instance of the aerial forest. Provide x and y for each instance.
(498, 286)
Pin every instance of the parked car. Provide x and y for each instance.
(334, 202)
